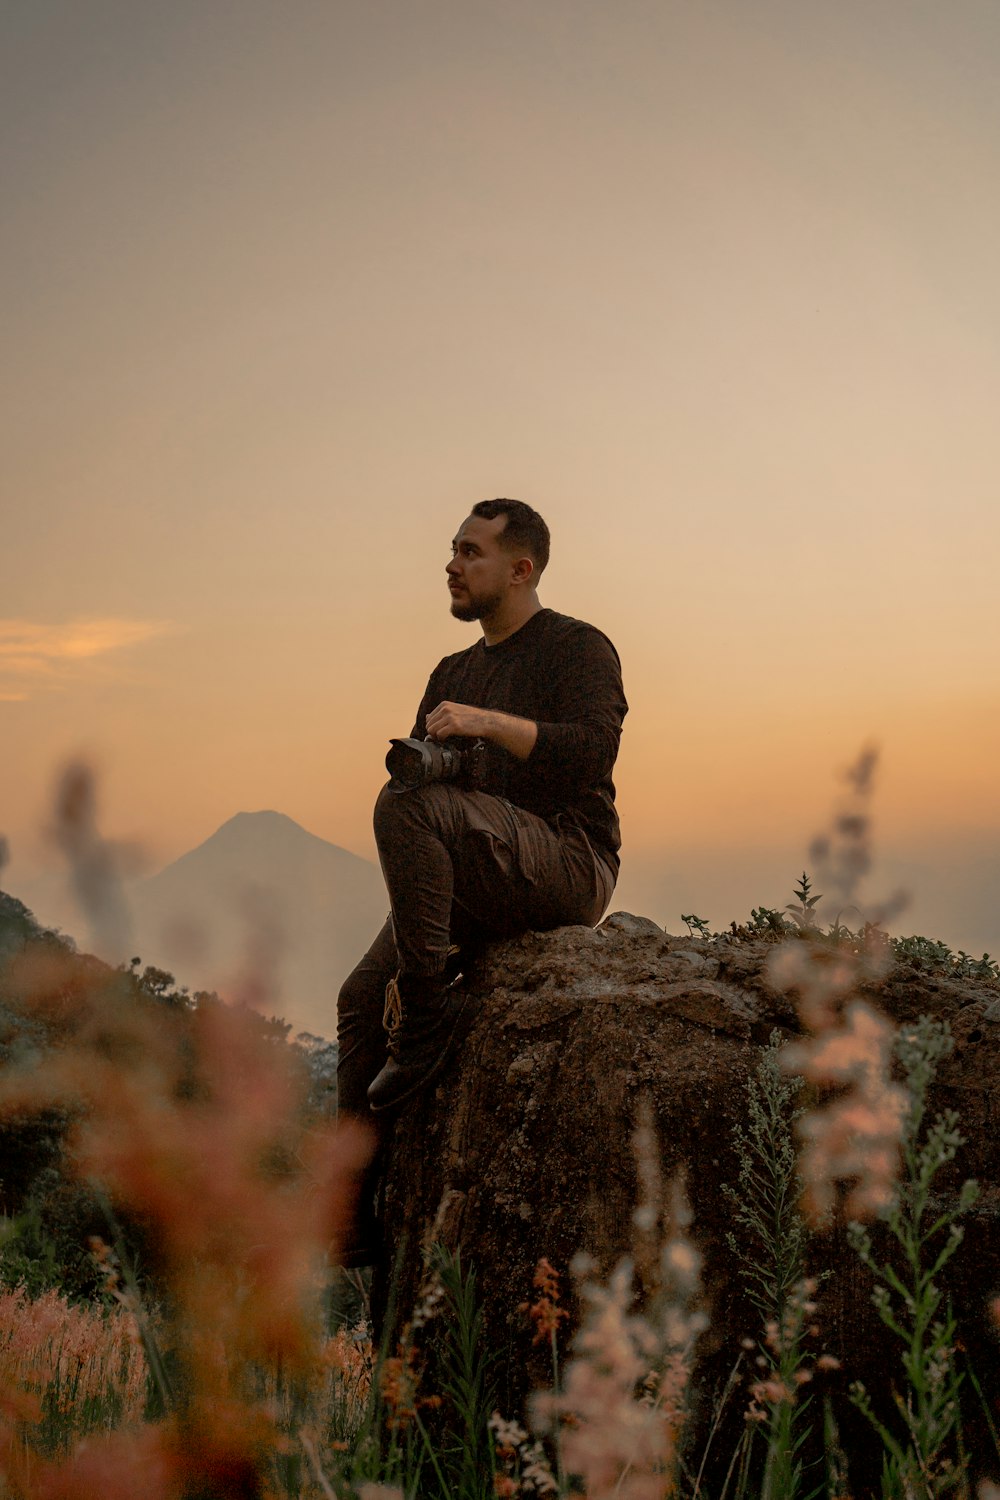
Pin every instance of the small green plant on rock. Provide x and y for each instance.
(803, 907)
(935, 957)
(767, 920)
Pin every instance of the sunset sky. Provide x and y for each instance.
(712, 284)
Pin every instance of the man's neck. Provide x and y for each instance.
(507, 621)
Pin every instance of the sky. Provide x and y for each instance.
(712, 285)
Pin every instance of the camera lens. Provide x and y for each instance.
(413, 762)
(408, 762)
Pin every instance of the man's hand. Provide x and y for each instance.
(459, 719)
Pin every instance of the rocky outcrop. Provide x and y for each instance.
(524, 1149)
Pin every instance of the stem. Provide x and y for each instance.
(560, 1475)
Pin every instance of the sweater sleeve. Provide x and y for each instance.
(578, 745)
(431, 699)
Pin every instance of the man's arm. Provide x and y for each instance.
(577, 743)
(440, 719)
(517, 736)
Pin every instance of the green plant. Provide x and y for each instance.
(923, 1456)
(696, 926)
(427, 1428)
(28, 1255)
(803, 913)
(767, 920)
(46, 1243)
(770, 1247)
(936, 957)
(465, 1378)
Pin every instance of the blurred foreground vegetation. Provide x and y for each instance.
(171, 1322)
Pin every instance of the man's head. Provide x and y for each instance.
(497, 557)
(523, 530)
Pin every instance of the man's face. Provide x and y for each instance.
(479, 573)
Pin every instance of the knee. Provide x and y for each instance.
(418, 807)
(387, 809)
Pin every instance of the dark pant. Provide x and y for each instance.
(459, 867)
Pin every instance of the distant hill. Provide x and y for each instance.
(262, 901)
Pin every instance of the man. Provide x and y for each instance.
(533, 846)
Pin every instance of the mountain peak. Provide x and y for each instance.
(265, 816)
(255, 843)
(247, 832)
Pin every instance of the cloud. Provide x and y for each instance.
(33, 653)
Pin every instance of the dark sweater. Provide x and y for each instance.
(566, 676)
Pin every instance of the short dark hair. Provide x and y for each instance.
(524, 528)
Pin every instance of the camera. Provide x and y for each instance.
(413, 763)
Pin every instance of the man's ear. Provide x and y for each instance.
(522, 571)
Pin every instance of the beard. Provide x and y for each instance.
(469, 609)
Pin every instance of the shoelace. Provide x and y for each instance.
(392, 1014)
(392, 1011)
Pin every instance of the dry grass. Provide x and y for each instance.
(80, 1367)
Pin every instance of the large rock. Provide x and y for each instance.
(524, 1148)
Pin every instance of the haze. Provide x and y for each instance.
(712, 285)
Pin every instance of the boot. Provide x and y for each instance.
(420, 1017)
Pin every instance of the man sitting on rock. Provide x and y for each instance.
(534, 845)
